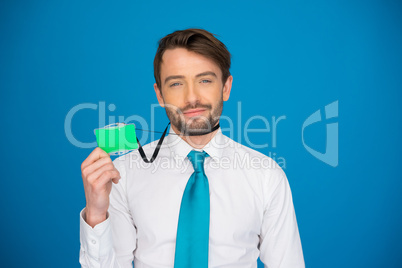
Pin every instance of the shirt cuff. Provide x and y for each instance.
(97, 241)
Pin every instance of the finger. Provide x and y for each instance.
(97, 173)
(96, 165)
(96, 154)
(107, 176)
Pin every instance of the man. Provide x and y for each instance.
(201, 203)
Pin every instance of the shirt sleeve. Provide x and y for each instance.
(112, 242)
(280, 245)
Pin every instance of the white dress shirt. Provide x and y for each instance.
(252, 213)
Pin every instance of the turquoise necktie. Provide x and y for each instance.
(192, 239)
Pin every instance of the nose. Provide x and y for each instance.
(192, 94)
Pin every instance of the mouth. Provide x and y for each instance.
(194, 112)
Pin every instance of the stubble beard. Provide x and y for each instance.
(198, 125)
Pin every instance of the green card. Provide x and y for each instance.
(117, 139)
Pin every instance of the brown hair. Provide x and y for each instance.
(196, 40)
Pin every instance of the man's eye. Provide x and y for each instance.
(174, 84)
(205, 81)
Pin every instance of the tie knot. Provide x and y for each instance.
(197, 159)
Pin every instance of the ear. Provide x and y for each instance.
(158, 93)
(227, 87)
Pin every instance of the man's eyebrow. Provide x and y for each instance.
(182, 76)
(173, 77)
(206, 73)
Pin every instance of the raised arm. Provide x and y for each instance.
(107, 231)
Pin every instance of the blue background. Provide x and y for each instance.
(290, 58)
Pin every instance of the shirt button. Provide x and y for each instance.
(94, 242)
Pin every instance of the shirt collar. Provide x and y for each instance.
(180, 148)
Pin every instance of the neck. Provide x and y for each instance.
(197, 142)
